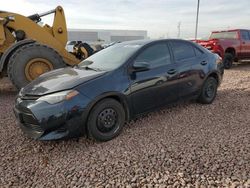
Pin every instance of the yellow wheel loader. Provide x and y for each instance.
(28, 49)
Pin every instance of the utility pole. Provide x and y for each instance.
(179, 29)
(197, 19)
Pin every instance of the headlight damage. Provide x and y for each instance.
(58, 97)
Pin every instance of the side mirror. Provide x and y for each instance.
(141, 66)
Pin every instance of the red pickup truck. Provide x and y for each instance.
(231, 45)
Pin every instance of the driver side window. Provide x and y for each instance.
(156, 55)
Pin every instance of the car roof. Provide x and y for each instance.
(147, 41)
(230, 30)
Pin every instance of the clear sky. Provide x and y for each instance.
(159, 17)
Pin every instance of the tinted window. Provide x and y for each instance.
(157, 55)
(224, 35)
(111, 58)
(182, 50)
(245, 35)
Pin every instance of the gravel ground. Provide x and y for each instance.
(188, 145)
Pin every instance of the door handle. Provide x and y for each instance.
(203, 63)
(172, 71)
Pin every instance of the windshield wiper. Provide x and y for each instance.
(92, 68)
(86, 66)
(95, 69)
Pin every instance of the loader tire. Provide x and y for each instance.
(30, 61)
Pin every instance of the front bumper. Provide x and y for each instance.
(42, 121)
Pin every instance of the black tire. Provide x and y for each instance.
(106, 120)
(228, 61)
(21, 57)
(208, 91)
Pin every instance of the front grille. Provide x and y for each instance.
(33, 127)
(29, 119)
(26, 118)
(23, 109)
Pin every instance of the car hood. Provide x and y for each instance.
(59, 80)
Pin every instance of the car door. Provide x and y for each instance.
(245, 44)
(156, 86)
(190, 67)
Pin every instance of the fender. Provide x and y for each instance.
(214, 74)
(115, 95)
(7, 54)
(118, 96)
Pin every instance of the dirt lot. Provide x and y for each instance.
(189, 145)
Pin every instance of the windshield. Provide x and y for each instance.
(111, 57)
(224, 35)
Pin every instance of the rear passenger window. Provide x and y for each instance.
(245, 35)
(156, 55)
(182, 50)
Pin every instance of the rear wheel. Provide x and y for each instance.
(228, 61)
(209, 91)
(30, 61)
(106, 120)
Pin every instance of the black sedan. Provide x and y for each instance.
(115, 85)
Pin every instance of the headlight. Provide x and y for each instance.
(218, 59)
(59, 97)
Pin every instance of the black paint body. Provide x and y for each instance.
(139, 92)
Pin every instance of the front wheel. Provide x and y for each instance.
(228, 61)
(106, 120)
(208, 91)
